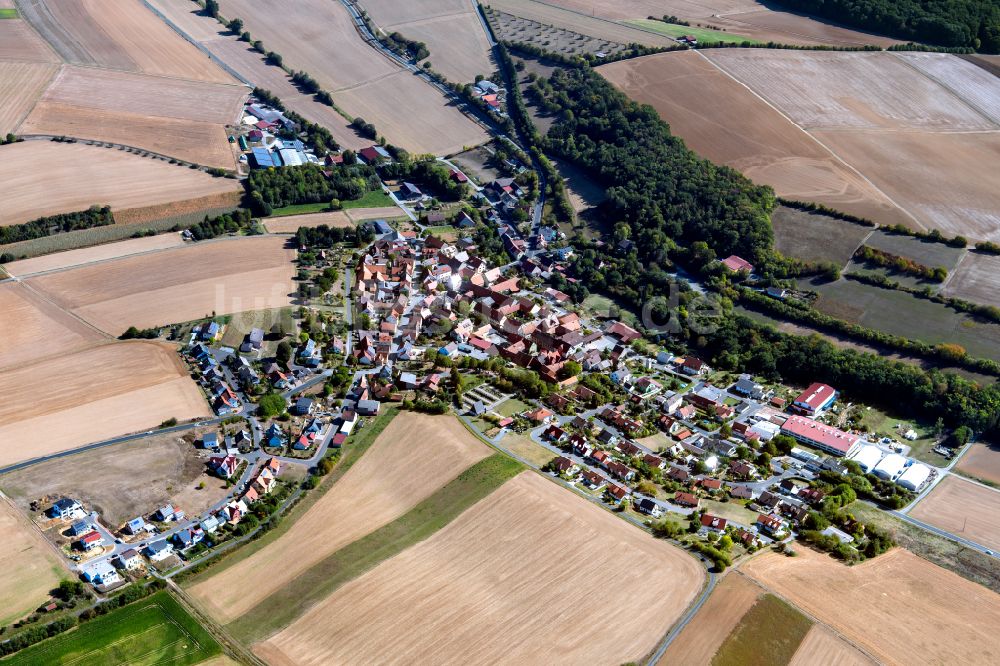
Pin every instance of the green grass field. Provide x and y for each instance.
(704, 35)
(447, 503)
(8, 13)
(373, 199)
(769, 633)
(155, 630)
(301, 209)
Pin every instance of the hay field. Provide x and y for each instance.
(241, 58)
(177, 284)
(316, 36)
(976, 278)
(21, 84)
(475, 590)
(962, 508)
(947, 181)
(31, 568)
(813, 236)
(725, 122)
(19, 42)
(822, 646)
(32, 328)
(118, 34)
(125, 480)
(289, 224)
(701, 638)
(413, 115)
(414, 456)
(897, 607)
(89, 255)
(459, 48)
(69, 398)
(859, 90)
(43, 178)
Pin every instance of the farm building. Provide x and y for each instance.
(263, 158)
(814, 399)
(824, 437)
(737, 264)
(890, 467)
(914, 476)
(867, 456)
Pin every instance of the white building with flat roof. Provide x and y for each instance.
(867, 456)
(890, 467)
(914, 476)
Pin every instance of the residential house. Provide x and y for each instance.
(304, 406)
(686, 499)
(616, 493)
(745, 385)
(65, 509)
(555, 434)
(770, 524)
(713, 523)
(129, 559)
(649, 507)
(89, 541)
(158, 551)
(694, 366)
(737, 264)
(224, 466)
(593, 480)
(565, 466)
(80, 527)
(620, 471)
(101, 573)
(164, 513)
(135, 525)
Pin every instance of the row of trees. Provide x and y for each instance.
(94, 216)
(223, 224)
(900, 264)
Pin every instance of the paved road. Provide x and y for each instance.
(946, 535)
(683, 622)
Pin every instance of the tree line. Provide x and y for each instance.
(47, 226)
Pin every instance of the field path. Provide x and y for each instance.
(817, 141)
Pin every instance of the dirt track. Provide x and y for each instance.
(414, 456)
(527, 575)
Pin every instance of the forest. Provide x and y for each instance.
(951, 23)
(47, 226)
(276, 188)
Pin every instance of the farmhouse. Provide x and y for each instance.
(823, 437)
(814, 399)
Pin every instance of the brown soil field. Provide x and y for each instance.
(976, 278)
(973, 85)
(414, 456)
(701, 638)
(963, 508)
(897, 607)
(71, 258)
(32, 328)
(19, 42)
(125, 480)
(201, 143)
(822, 646)
(51, 183)
(742, 131)
(119, 34)
(316, 36)
(860, 90)
(177, 284)
(815, 237)
(947, 181)
(31, 568)
(211, 205)
(584, 24)
(990, 63)
(982, 461)
(289, 224)
(475, 590)
(63, 402)
(767, 25)
(21, 84)
(451, 30)
(105, 90)
(413, 115)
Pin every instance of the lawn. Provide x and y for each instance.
(704, 35)
(373, 199)
(447, 503)
(769, 633)
(302, 209)
(730, 510)
(242, 323)
(511, 407)
(523, 446)
(883, 424)
(155, 630)
(8, 13)
(604, 307)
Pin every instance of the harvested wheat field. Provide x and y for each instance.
(118, 34)
(90, 255)
(21, 84)
(976, 278)
(29, 319)
(963, 508)
(766, 25)
(187, 211)
(822, 646)
(898, 607)
(701, 639)
(459, 48)
(289, 224)
(316, 36)
(19, 42)
(69, 398)
(43, 178)
(474, 592)
(414, 456)
(863, 90)
(742, 131)
(125, 480)
(176, 284)
(30, 566)
(982, 461)
(413, 115)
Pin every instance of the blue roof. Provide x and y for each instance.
(264, 158)
(136, 523)
(382, 227)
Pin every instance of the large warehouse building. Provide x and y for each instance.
(823, 437)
